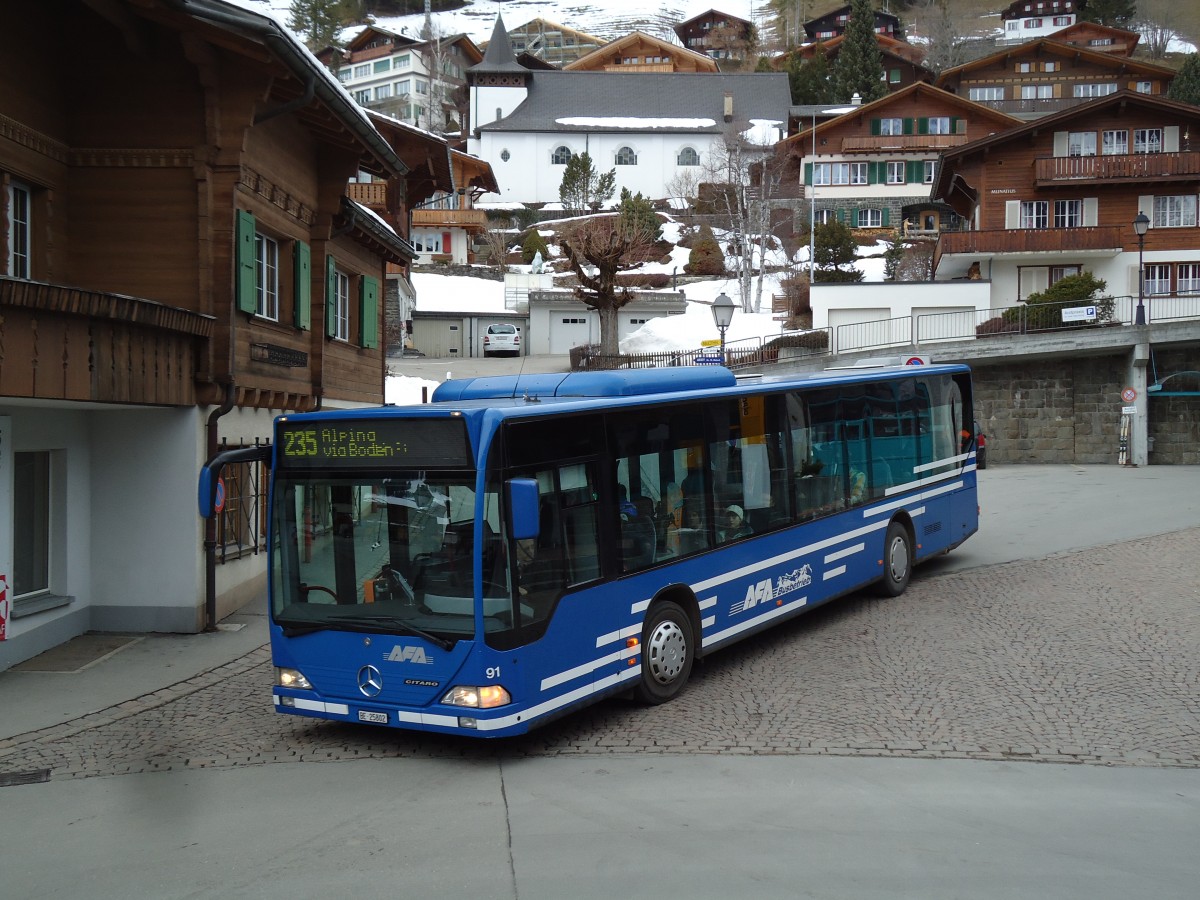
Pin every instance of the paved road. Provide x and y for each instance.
(870, 749)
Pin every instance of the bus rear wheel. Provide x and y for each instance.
(897, 560)
(667, 653)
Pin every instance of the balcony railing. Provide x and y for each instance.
(449, 218)
(874, 143)
(1033, 108)
(1124, 167)
(370, 194)
(1031, 240)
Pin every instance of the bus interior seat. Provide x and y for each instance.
(638, 542)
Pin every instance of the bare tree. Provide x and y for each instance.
(944, 32)
(685, 185)
(497, 238)
(597, 250)
(1156, 22)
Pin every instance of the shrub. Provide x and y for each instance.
(650, 280)
(706, 257)
(1043, 309)
(532, 244)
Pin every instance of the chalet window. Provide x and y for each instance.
(893, 76)
(1115, 143)
(1147, 140)
(404, 61)
(561, 156)
(1187, 278)
(626, 157)
(1037, 91)
(362, 71)
(1012, 25)
(688, 157)
(1024, 68)
(345, 74)
(939, 125)
(1068, 213)
(1033, 23)
(383, 92)
(362, 98)
(981, 94)
(1035, 213)
(1100, 42)
(870, 218)
(421, 85)
(266, 280)
(891, 127)
(18, 230)
(382, 65)
(1081, 143)
(930, 170)
(1157, 278)
(341, 306)
(1144, 87)
(1178, 211)
(822, 173)
(1095, 90)
(1062, 21)
(896, 173)
(403, 88)
(858, 173)
(823, 216)
(841, 173)
(1058, 273)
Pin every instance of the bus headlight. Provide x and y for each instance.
(484, 696)
(292, 678)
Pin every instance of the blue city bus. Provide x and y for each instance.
(523, 546)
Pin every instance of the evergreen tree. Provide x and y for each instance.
(636, 214)
(858, 68)
(582, 186)
(1186, 86)
(319, 21)
(834, 252)
(1114, 13)
(809, 80)
(533, 244)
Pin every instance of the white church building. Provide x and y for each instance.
(646, 126)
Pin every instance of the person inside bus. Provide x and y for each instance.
(735, 524)
(688, 536)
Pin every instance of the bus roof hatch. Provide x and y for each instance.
(624, 383)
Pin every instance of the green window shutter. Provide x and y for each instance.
(330, 297)
(887, 217)
(913, 173)
(302, 282)
(875, 129)
(954, 120)
(247, 269)
(908, 126)
(923, 125)
(841, 215)
(808, 176)
(369, 309)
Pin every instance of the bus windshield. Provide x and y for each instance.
(392, 554)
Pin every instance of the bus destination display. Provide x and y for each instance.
(373, 442)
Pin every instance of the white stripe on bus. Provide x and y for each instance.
(558, 702)
(834, 573)
(427, 719)
(756, 620)
(843, 553)
(334, 709)
(948, 461)
(588, 667)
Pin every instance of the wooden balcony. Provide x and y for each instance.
(1055, 170)
(877, 143)
(1031, 108)
(640, 67)
(470, 219)
(1091, 240)
(372, 195)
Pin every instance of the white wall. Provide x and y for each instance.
(890, 300)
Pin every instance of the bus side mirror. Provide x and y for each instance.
(524, 523)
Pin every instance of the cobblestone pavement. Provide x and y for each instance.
(1090, 657)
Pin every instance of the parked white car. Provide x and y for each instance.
(501, 339)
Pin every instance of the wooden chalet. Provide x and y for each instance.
(641, 52)
(873, 167)
(903, 63)
(1058, 196)
(183, 263)
(1046, 76)
(551, 42)
(833, 24)
(1100, 38)
(717, 34)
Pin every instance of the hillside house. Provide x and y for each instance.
(717, 34)
(833, 24)
(1026, 20)
(641, 52)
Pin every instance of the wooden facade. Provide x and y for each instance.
(1099, 38)
(833, 23)
(640, 52)
(1066, 189)
(717, 34)
(1045, 76)
(903, 63)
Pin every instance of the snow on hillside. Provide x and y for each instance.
(609, 20)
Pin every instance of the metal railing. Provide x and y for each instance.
(741, 354)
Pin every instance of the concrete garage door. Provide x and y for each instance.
(569, 330)
(438, 337)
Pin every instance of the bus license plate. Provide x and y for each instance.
(379, 718)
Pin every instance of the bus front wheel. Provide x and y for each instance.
(897, 560)
(667, 653)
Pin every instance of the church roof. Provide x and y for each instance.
(499, 54)
(646, 101)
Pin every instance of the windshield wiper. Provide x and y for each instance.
(398, 623)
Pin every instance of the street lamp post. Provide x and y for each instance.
(1141, 222)
(722, 310)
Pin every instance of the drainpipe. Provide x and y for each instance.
(210, 524)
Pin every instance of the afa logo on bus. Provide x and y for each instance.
(405, 653)
(767, 589)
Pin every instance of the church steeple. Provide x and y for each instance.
(498, 59)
